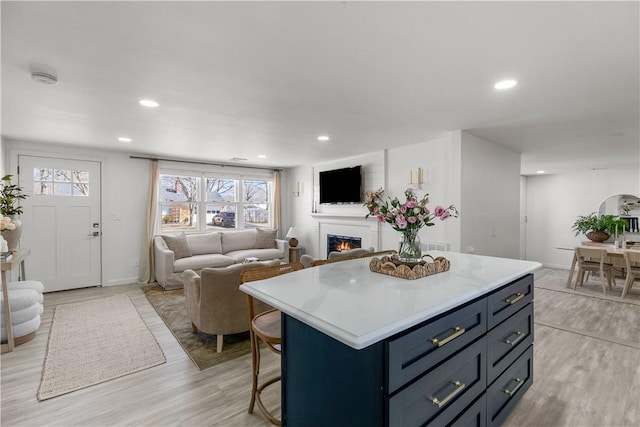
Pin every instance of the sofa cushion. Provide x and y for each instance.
(207, 243)
(265, 238)
(198, 262)
(237, 240)
(261, 254)
(178, 244)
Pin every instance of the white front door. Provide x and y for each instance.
(61, 221)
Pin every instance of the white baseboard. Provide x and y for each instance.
(125, 281)
(561, 267)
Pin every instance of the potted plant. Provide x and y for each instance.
(10, 195)
(598, 228)
(10, 225)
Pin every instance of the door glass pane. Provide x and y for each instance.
(80, 176)
(80, 189)
(42, 174)
(43, 188)
(61, 189)
(62, 175)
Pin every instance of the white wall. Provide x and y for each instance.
(390, 169)
(555, 201)
(490, 198)
(440, 159)
(305, 213)
(124, 193)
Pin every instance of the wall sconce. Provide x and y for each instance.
(296, 189)
(419, 178)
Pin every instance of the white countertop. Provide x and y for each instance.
(358, 307)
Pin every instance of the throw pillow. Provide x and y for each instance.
(266, 238)
(206, 243)
(178, 244)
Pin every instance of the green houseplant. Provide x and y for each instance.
(598, 228)
(10, 195)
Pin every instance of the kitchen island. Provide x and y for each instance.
(362, 348)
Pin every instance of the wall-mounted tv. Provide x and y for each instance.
(341, 185)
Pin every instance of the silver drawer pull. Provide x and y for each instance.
(517, 298)
(457, 331)
(516, 388)
(440, 403)
(519, 337)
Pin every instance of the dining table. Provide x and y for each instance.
(615, 254)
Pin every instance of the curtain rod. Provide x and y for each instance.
(204, 163)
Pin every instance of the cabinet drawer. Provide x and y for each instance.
(474, 416)
(509, 388)
(413, 354)
(442, 393)
(508, 340)
(508, 300)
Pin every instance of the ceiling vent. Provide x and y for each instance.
(44, 78)
(238, 159)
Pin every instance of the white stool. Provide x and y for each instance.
(26, 308)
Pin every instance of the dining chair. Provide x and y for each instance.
(593, 260)
(632, 262)
(265, 327)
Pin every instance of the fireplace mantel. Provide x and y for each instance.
(339, 215)
(347, 225)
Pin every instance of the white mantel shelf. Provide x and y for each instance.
(338, 215)
(357, 307)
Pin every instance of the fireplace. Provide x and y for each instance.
(336, 243)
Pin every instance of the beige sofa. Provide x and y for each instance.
(175, 253)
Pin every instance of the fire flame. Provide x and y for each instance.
(343, 246)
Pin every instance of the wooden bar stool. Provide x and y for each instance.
(265, 327)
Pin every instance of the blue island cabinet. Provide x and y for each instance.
(469, 366)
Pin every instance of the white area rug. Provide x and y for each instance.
(94, 341)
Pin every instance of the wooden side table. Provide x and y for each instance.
(294, 253)
(17, 257)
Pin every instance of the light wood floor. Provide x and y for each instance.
(580, 378)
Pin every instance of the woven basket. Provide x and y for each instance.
(598, 236)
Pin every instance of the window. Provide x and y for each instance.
(60, 182)
(199, 201)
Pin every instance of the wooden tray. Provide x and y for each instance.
(391, 266)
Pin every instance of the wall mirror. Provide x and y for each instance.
(627, 206)
(621, 204)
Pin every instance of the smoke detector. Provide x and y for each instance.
(44, 78)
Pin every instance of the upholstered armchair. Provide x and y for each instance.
(215, 304)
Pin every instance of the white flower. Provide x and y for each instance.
(7, 223)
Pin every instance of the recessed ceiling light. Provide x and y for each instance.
(541, 171)
(124, 139)
(505, 84)
(148, 103)
(262, 156)
(323, 138)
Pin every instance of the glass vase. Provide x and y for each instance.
(409, 250)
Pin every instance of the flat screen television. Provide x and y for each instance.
(341, 185)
